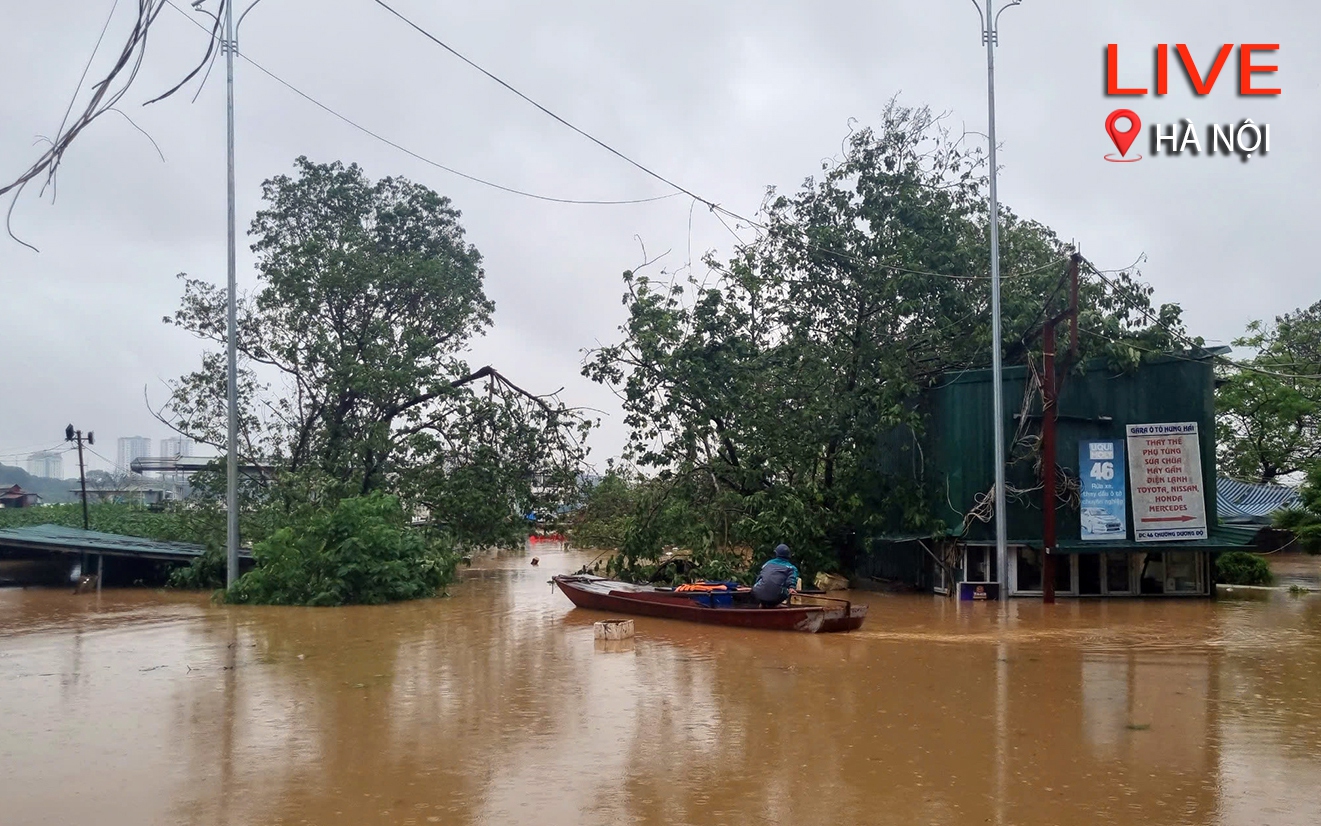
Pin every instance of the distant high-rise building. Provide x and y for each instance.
(130, 448)
(46, 464)
(176, 446)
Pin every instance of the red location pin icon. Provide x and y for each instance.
(1123, 139)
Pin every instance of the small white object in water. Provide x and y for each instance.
(613, 630)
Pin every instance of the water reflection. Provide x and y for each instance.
(496, 706)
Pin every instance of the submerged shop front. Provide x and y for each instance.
(1135, 505)
(1117, 570)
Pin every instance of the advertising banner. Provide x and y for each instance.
(1104, 502)
(1165, 470)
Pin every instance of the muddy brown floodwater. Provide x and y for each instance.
(496, 706)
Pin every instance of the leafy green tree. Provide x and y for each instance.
(352, 370)
(1304, 521)
(1269, 410)
(606, 512)
(759, 394)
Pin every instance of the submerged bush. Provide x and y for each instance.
(359, 551)
(205, 573)
(1242, 568)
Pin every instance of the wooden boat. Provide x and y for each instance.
(811, 614)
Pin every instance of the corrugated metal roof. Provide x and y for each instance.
(59, 539)
(1244, 502)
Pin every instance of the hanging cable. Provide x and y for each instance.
(106, 94)
(714, 207)
(607, 147)
(379, 137)
(1183, 339)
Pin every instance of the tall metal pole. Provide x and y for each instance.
(989, 34)
(231, 462)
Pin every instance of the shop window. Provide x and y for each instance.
(1028, 568)
(977, 564)
(1151, 574)
(1181, 573)
(1064, 573)
(1116, 574)
(1089, 575)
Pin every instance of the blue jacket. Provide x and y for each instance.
(776, 578)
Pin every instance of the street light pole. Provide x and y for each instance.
(231, 338)
(229, 46)
(990, 36)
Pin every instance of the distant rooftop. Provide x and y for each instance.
(1245, 502)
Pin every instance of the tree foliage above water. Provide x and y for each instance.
(1304, 520)
(757, 394)
(352, 371)
(1269, 409)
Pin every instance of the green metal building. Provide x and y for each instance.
(953, 464)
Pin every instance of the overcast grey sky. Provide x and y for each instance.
(724, 97)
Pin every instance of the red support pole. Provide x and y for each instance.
(1073, 307)
(1048, 415)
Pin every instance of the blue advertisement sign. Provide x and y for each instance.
(1104, 501)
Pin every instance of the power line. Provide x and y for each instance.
(411, 153)
(1183, 339)
(23, 454)
(1182, 357)
(1147, 350)
(105, 96)
(1247, 368)
(116, 465)
(607, 147)
(714, 207)
(77, 90)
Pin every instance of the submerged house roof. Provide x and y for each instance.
(59, 539)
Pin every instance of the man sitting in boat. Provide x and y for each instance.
(777, 579)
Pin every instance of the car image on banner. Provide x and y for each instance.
(1104, 501)
(1099, 522)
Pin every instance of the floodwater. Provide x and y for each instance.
(496, 706)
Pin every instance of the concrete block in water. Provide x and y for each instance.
(830, 582)
(613, 630)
